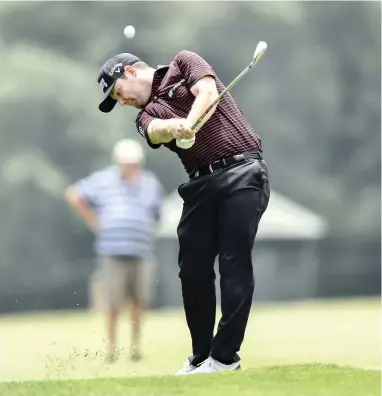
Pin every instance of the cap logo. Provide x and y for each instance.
(103, 84)
(116, 68)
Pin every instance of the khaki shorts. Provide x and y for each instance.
(121, 278)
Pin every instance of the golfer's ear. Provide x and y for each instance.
(130, 70)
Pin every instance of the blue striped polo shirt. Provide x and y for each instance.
(126, 211)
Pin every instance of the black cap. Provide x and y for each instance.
(108, 75)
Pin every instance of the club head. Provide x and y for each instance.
(260, 49)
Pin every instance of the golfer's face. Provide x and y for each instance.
(128, 92)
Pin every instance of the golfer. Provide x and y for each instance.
(224, 199)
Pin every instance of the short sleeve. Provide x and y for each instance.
(193, 67)
(142, 123)
(87, 188)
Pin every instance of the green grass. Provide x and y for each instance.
(309, 348)
(292, 380)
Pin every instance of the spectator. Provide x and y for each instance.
(121, 204)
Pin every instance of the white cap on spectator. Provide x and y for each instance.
(128, 151)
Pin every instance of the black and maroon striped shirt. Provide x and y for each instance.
(225, 134)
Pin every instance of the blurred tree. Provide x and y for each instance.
(314, 99)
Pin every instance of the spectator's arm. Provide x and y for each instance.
(83, 208)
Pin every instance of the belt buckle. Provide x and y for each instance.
(210, 166)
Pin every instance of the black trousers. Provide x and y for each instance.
(221, 214)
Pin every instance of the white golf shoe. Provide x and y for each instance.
(187, 368)
(211, 365)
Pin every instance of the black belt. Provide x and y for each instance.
(224, 163)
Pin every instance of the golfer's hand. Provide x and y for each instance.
(181, 129)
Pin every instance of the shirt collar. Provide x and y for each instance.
(120, 177)
(158, 76)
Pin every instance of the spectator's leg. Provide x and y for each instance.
(139, 285)
(113, 280)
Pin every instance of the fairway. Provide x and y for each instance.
(321, 348)
(276, 381)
